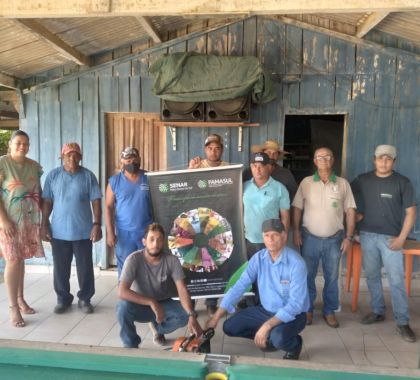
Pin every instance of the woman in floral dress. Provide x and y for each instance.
(20, 217)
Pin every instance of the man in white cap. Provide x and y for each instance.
(213, 149)
(272, 149)
(386, 211)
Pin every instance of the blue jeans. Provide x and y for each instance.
(375, 254)
(129, 312)
(127, 243)
(62, 251)
(327, 250)
(246, 323)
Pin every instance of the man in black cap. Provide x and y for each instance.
(281, 276)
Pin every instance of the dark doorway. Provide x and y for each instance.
(303, 134)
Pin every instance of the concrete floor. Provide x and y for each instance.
(351, 344)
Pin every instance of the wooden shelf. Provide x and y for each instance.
(193, 124)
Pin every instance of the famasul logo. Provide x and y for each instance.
(163, 187)
(202, 183)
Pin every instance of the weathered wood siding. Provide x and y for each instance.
(378, 90)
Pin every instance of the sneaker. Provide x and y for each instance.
(61, 308)
(158, 339)
(85, 306)
(331, 321)
(370, 318)
(406, 333)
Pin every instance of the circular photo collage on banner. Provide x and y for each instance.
(201, 239)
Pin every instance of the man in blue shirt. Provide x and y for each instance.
(281, 276)
(128, 209)
(71, 192)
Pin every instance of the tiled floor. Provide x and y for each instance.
(352, 343)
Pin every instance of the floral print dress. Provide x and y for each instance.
(21, 198)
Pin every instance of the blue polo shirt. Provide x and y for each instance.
(282, 284)
(262, 203)
(133, 211)
(71, 194)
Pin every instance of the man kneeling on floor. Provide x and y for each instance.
(280, 273)
(149, 278)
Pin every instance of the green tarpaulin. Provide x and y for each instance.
(193, 77)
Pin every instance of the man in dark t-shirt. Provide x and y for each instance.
(386, 211)
(150, 277)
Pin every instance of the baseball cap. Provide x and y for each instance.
(70, 147)
(273, 225)
(386, 150)
(214, 138)
(260, 157)
(268, 144)
(129, 152)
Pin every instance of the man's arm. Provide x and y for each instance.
(350, 226)
(126, 294)
(285, 218)
(410, 218)
(185, 299)
(96, 233)
(297, 218)
(47, 206)
(110, 216)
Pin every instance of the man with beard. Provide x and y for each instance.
(150, 277)
(128, 209)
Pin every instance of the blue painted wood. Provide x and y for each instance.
(342, 57)
(250, 37)
(124, 94)
(294, 50)
(135, 93)
(217, 42)
(317, 91)
(343, 87)
(235, 39)
(178, 48)
(30, 125)
(315, 52)
(71, 121)
(271, 36)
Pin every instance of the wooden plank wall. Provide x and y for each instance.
(378, 91)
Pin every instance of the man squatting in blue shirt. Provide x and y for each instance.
(281, 275)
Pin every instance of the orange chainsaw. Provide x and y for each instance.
(194, 344)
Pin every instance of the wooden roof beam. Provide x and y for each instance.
(368, 23)
(8, 81)
(55, 42)
(113, 8)
(147, 25)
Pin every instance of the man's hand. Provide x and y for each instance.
(396, 244)
(297, 238)
(111, 239)
(212, 323)
(158, 310)
(8, 228)
(195, 163)
(46, 233)
(345, 246)
(96, 233)
(194, 326)
(261, 336)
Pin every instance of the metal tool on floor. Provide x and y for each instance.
(193, 343)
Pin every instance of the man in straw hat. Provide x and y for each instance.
(275, 153)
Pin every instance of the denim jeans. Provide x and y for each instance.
(127, 243)
(375, 254)
(128, 312)
(328, 251)
(246, 323)
(62, 251)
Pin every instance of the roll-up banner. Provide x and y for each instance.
(201, 212)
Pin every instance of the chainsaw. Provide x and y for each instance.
(194, 344)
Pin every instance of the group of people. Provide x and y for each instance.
(326, 211)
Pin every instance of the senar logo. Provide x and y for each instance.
(163, 187)
(202, 183)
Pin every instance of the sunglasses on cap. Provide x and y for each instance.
(129, 152)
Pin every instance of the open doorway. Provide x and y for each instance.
(303, 134)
